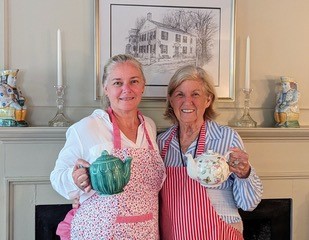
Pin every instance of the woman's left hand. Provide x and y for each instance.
(239, 163)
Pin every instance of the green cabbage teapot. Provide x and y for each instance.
(109, 174)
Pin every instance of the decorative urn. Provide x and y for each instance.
(109, 174)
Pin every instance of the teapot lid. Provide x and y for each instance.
(210, 152)
(105, 155)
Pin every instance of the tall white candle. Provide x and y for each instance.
(247, 77)
(59, 59)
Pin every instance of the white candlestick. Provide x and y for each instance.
(247, 77)
(59, 59)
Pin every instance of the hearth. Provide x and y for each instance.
(271, 220)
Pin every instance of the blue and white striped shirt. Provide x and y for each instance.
(247, 192)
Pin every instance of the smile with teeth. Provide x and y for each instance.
(187, 110)
(126, 98)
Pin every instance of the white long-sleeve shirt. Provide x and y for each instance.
(85, 140)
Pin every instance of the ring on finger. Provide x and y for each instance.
(234, 163)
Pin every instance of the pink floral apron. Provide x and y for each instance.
(186, 212)
(132, 214)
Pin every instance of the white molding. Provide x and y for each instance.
(58, 133)
(283, 175)
(32, 134)
(4, 34)
(10, 182)
(26, 180)
(271, 134)
(2, 24)
(274, 133)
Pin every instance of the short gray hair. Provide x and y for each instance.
(190, 72)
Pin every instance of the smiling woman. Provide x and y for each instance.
(212, 211)
(123, 92)
(122, 131)
(115, 80)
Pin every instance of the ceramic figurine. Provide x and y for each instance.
(210, 169)
(12, 103)
(287, 111)
(109, 174)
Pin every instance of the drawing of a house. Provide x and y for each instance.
(156, 42)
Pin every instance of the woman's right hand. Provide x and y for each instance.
(81, 175)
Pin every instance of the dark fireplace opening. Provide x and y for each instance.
(271, 220)
(47, 218)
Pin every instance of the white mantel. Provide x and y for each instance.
(27, 156)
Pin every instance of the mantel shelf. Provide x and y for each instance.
(25, 133)
(274, 133)
(58, 133)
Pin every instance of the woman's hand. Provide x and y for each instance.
(76, 203)
(239, 162)
(81, 175)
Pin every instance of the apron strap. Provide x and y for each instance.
(202, 140)
(168, 141)
(200, 144)
(116, 130)
(140, 115)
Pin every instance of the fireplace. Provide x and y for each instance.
(271, 220)
(47, 218)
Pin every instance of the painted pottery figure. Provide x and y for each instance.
(12, 102)
(287, 111)
(109, 174)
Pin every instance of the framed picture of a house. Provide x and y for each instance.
(165, 35)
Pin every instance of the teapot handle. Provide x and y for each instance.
(227, 156)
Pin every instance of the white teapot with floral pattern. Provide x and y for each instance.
(210, 169)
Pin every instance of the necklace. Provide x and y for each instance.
(195, 150)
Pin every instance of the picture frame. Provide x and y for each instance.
(165, 36)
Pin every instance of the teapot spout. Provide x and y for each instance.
(191, 166)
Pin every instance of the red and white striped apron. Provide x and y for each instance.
(186, 212)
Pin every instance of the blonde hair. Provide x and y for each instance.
(109, 67)
(191, 72)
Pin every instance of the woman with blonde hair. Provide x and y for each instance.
(122, 130)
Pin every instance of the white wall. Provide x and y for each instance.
(279, 46)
